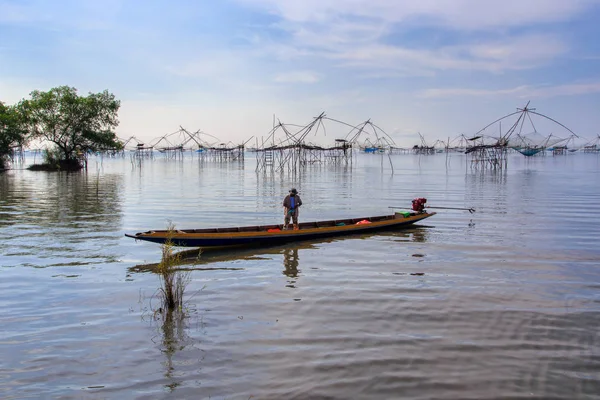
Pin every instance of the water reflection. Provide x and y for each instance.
(488, 189)
(172, 313)
(68, 218)
(419, 235)
(73, 198)
(173, 338)
(512, 302)
(197, 259)
(290, 263)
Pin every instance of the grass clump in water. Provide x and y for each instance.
(173, 281)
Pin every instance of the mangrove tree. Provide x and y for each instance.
(75, 125)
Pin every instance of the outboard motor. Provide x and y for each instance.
(418, 204)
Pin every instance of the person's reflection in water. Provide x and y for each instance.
(290, 263)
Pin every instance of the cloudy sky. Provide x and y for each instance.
(441, 68)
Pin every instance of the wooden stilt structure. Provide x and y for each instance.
(223, 153)
(143, 151)
(399, 150)
(293, 152)
(491, 151)
(423, 148)
(592, 146)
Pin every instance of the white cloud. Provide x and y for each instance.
(496, 56)
(467, 92)
(459, 14)
(228, 71)
(297, 77)
(574, 89)
(353, 33)
(528, 92)
(526, 50)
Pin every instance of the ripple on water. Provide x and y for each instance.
(501, 303)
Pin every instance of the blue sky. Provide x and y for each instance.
(441, 68)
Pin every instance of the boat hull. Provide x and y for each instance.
(272, 235)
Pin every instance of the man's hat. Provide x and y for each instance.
(293, 191)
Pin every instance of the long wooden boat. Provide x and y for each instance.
(266, 235)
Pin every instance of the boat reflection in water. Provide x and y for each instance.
(201, 259)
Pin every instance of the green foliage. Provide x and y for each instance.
(12, 132)
(75, 124)
(52, 157)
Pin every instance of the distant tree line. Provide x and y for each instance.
(74, 126)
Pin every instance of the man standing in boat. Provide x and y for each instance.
(291, 203)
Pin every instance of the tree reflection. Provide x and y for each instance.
(73, 200)
(5, 204)
(75, 218)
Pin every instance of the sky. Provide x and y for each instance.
(230, 68)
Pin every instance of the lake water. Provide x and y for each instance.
(500, 304)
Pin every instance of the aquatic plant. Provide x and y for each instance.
(173, 280)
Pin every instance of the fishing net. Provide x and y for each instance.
(533, 142)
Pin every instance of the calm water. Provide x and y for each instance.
(500, 304)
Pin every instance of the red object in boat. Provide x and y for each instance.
(418, 204)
